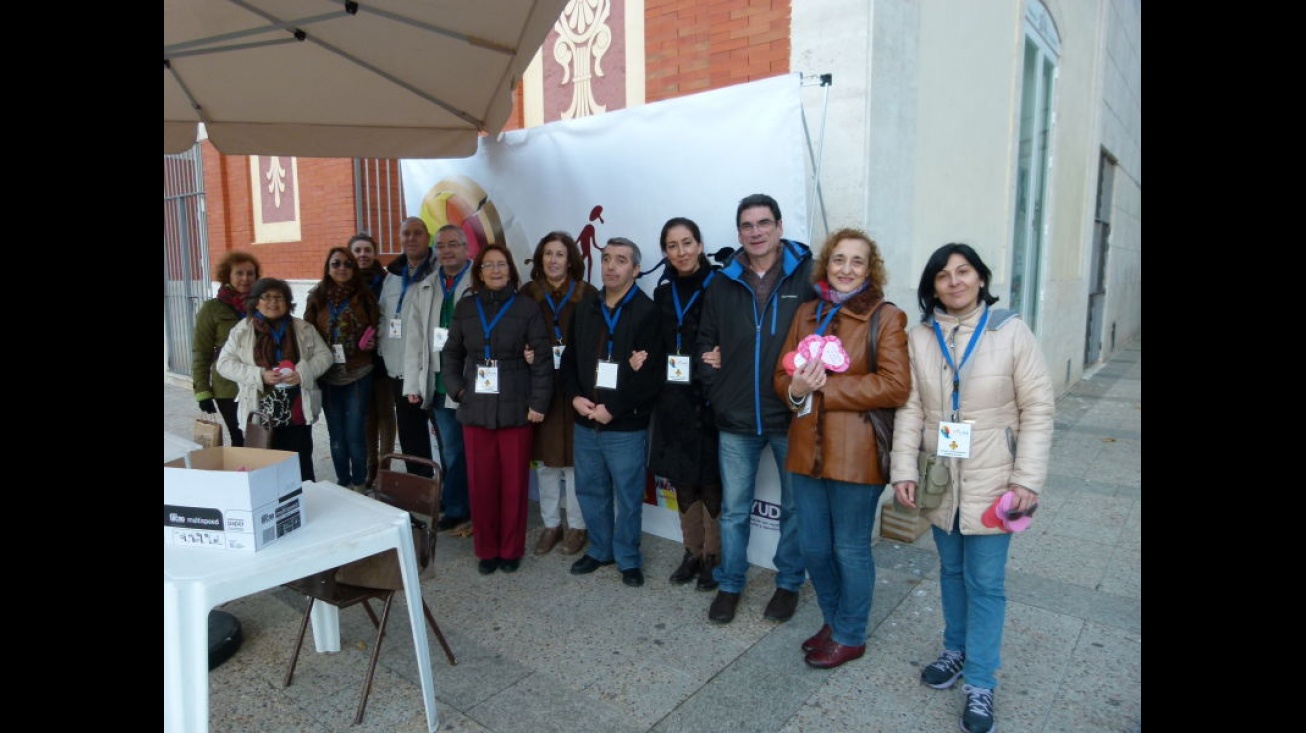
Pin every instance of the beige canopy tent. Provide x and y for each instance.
(344, 79)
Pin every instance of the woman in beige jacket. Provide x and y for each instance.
(978, 367)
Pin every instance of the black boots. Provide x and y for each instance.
(705, 568)
(689, 568)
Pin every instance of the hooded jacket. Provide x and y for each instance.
(1005, 389)
(740, 392)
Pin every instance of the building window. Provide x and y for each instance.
(1033, 159)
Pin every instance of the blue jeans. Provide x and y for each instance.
(834, 530)
(972, 581)
(346, 407)
(610, 470)
(454, 459)
(739, 455)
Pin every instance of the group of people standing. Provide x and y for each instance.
(777, 349)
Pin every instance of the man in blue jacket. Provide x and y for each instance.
(746, 316)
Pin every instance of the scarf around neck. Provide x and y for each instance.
(265, 342)
(827, 293)
(233, 299)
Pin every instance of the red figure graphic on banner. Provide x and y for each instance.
(587, 240)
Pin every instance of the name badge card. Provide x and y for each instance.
(954, 439)
(439, 337)
(396, 329)
(487, 379)
(606, 375)
(557, 355)
(338, 350)
(678, 369)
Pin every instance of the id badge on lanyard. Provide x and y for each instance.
(396, 329)
(439, 337)
(557, 355)
(678, 369)
(954, 439)
(487, 378)
(605, 376)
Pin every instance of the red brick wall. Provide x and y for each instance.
(326, 213)
(696, 45)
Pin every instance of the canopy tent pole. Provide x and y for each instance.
(817, 156)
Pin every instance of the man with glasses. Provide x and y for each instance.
(746, 316)
(407, 272)
(426, 329)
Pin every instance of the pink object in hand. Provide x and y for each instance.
(996, 514)
(366, 340)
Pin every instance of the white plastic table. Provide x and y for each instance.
(339, 526)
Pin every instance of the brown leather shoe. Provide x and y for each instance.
(833, 655)
(819, 639)
(549, 538)
(782, 605)
(574, 541)
(688, 568)
(723, 606)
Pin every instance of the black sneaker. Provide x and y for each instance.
(944, 671)
(978, 717)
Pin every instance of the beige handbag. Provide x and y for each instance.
(936, 475)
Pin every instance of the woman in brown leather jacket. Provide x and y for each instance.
(832, 455)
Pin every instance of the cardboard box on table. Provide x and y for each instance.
(241, 499)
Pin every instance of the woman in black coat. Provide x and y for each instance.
(683, 447)
(500, 399)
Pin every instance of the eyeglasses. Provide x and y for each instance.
(271, 298)
(448, 245)
(341, 263)
(494, 265)
(761, 226)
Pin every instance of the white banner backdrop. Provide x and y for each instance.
(624, 173)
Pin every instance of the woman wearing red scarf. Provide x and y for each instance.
(214, 392)
(275, 360)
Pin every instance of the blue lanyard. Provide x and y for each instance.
(680, 312)
(820, 329)
(616, 316)
(557, 310)
(335, 319)
(403, 290)
(486, 328)
(956, 369)
(448, 291)
(277, 333)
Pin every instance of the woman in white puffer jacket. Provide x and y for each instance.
(981, 366)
